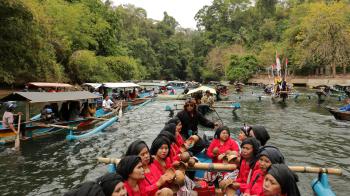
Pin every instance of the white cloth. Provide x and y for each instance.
(7, 119)
(107, 104)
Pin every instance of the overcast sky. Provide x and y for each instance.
(182, 10)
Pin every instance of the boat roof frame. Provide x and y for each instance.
(46, 97)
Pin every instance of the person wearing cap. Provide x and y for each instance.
(208, 98)
(8, 118)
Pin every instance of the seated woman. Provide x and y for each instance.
(152, 181)
(257, 131)
(107, 185)
(347, 107)
(177, 122)
(280, 180)
(131, 170)
(160, 151)
(249, 163)
(268, 155)
(88, 110)
(221, 145)
(169, 133)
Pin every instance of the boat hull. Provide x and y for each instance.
(339, 115)
(171, 97)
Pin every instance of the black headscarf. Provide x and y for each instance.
(168, 136)
(157, 143)
(127, 164)
(108, 183)
(219, 130)
(256, 145)
(87, 189)
(171, 128)
(174, 120)
(261, 134)
(286, 178)
(271, 152)
(136, 147)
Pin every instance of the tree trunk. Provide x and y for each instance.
(333, 70)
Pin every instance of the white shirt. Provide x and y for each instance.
(7, 119)
(107, 104)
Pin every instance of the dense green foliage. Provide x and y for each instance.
(90, 41)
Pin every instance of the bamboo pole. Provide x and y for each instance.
(97, 118)
(232, 167)
(307, 169)
(58, 126)
(17, 141)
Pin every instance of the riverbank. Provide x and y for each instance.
(310, 81)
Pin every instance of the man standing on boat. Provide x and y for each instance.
(8, 119)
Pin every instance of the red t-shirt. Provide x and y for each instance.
(243, 174)
(131, 192)
(229, 144)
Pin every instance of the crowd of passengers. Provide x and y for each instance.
(148, 170)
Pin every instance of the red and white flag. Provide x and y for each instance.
(278, 62)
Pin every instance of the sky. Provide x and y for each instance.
(182, 10)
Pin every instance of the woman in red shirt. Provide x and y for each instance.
(221, 145)
(130, 168)
(268, 155)
(153, 180)
(160, 151)
(177, 122)
(249, 163)
(280, 180)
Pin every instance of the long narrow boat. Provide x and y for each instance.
(36, 129)
(76, 136)
(339, 115)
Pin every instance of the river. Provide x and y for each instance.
(304, 131)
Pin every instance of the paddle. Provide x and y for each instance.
(17, 141)
(231, 167)
(120, 111)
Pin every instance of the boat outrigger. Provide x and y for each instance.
(36, 127)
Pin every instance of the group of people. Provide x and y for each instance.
(70, 110)
(147, 171)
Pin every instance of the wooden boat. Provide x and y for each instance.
(36, 129)
(76, 136)
(339, 115)
(171, 97)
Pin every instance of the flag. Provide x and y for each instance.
(278, 63)
(285, 71)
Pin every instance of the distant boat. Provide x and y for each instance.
(35, 128)
(339, 115)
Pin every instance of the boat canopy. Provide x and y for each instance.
(49, 85)
(203, 89)
(150, 84)
(44, 97)
(93, 85)
(121, 85)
